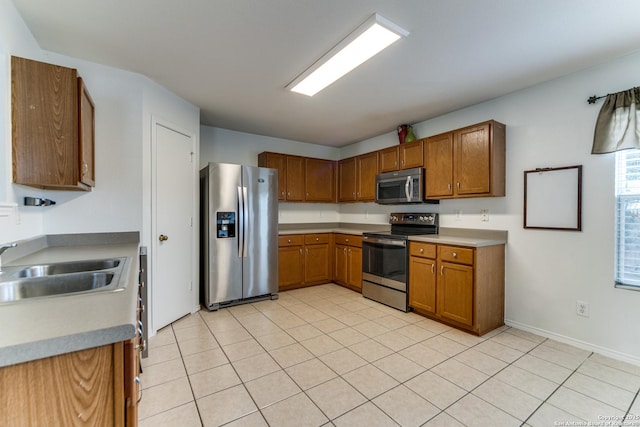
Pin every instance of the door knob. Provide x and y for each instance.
(163, 238)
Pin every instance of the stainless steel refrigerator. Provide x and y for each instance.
(239, 234)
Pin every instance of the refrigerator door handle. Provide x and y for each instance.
(245, 223)
(241, 213)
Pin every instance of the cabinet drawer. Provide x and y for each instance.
(316, 239)
(455, 254)
(348, 239)
(291, 240)
(424, 250)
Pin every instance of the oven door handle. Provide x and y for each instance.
(383, 241)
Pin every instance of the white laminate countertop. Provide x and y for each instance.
(443, 239)
(38, 328)
(447, 236)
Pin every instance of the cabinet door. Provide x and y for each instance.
(44, 100)
(319, 180)
(80, 388)
(455, 292)
(86, 135)
(279, 162)
(438, 152)
(422, 284)
(354, 267)
(295, 178)
(290, 266)
(347, 180)
(473, 158)
(367, 169)
(316, 263)
(411, 154)
(340, 262)
(388, 159)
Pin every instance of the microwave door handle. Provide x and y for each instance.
(411, 190)
(406, 189)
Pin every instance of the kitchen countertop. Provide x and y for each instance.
(38, 328)
(447, 236)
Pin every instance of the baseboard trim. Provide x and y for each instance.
(635, 360)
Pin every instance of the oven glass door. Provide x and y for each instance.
(387, 261)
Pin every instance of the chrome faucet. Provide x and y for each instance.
(4, 248)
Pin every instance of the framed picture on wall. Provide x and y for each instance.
(553, 198)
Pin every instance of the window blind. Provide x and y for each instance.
(628, 219)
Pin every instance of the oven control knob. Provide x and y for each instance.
(422, 218)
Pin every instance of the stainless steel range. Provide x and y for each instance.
(385, 260)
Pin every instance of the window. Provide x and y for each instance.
(628, 219)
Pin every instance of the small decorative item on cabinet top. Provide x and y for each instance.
(410, 136)
(402, 133)
(405, 134)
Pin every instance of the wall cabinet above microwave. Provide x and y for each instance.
(52, 127)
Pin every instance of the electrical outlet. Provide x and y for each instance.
(582, 308)
(459, 215)
(484, 215)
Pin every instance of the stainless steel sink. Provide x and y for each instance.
(27, 282)
(68, 267)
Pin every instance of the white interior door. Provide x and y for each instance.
(172, 287)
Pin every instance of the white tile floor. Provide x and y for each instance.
(325, 355)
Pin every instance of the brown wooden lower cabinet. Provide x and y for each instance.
(348, 261)
(92, 387)
(303, 260)
(460, 286)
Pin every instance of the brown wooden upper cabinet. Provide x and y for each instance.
(302, 179)
(404, 156)
(467, 162)
(319, 180)
(52, 127)
(356, 178)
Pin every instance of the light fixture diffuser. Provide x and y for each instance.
(375, 34)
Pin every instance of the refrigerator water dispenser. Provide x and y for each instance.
(225, 224)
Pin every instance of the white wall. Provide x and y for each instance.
(548, 125)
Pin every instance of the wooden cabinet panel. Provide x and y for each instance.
(86, 135)
(411, 154)
(461, 286)
(467, 162)
(388, 159)
(79, 388)
(455, 254)
(367, 169)
(473, 161)
(347, 180)
(276, 161)
(52, 127)
(357, 178)
(424, 250)
(319, 180)
(295, 179)
(290, 266)
(354, 267)
(422, 284)
(438, 163)
(348, 260)
(455, 293)
(317, 258)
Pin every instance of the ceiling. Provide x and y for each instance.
(233, 58)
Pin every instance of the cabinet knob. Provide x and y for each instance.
(346, 240)
(421, 250)
(442, 270)
(317, 239)
(458, 185)
(455, 255)
(289, 241)
(449, 186)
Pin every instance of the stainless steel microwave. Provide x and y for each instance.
(398, 187)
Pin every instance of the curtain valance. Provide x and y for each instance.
(618, 124)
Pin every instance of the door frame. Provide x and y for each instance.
(195, 229)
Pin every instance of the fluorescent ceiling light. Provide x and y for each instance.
(365, 42)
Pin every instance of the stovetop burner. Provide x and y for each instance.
(404, 225)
